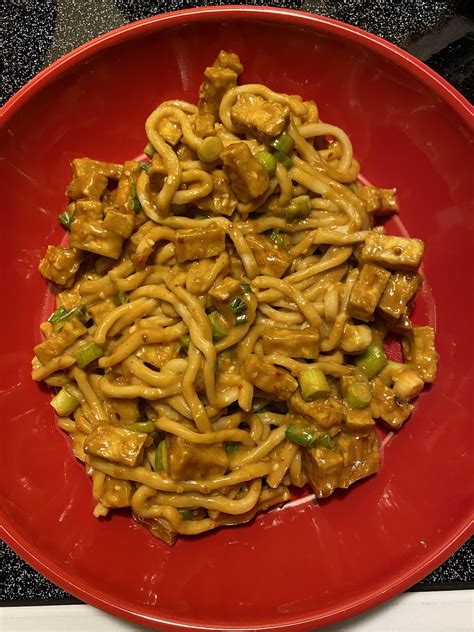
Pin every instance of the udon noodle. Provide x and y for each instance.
(222, 309)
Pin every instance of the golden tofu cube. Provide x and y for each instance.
(367, 291)
(392, 252)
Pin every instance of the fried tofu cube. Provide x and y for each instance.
(169, 130)
(294, 343)
(392, 252)
(258, 116)
(60, 265)
(248, 178)
(116, 493)
(84, 166)
(204, 125)
(358, 421)
(116, 444)
(199, 243)
(271, 260)
(269, 378)
(387, 405)
(367, 291)
(90, 185)
(326, 415)
(419, 349)
(400, 289)
(192, 461)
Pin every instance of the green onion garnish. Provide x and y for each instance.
(298, 208)
(284, 143)
(358, 395)
(219, 325)
(120, 298)
(238, 305)
(87, 354)
(231, 446)
(58, 315)
(64, 403)
(144, 166)
(267, 161)
(372, 361)
(186, 514)
(326, 442)
(202, 216)
(160, 456)
(62, 314)
(149, 150)
(185, 340)
(246, 289)
(210, 148)
(141, 426)
(179, 209)
(279, 239)
(66, 219)
(302, 434)
(135, 202)
(285, 160)
(313, 384)
(241, 319)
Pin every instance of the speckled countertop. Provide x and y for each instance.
(36, 32)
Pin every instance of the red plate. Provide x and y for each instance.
(302, 566)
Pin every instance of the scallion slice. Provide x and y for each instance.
(285, 160)
(219, 325)
(120, 298)
(141, 426)
(283, 143)
(65, 403)
(372, 361)
(238, 305)
(186, 514)
(134, 201)
(87, 354)
(298, 208)
(160, 456)
(358, 395)
(313, 384)
(302, 434)
(149, 150)
(267, 160)
(241, 319)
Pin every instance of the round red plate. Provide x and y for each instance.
(305, 565)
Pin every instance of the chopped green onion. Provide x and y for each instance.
(231, 446)
(149, 150)
(326, 442)
(186, 514)
(372, 361)
(160, 456)
(285, 160)
(313, 384)
(298, 208)
(210, 148)
(185, 340)
(141, 426)
(65, 403)
(219, 325)
(279, 239)
(238, 305)
(284, 143)
(62, 314)
(358, 395)
(267, 161)
(87, 354)
(135, 202)
(120, 298)
(241, 319)
(144, 166)
(66, 218)
(58, 315)
(202, 216)
(302, 434)
(246, 289)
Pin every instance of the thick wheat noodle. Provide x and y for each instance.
(157, 379)
(196, 407)
(297, 476)
(238, 333)
(146, 245)
(89, 394)
(136, 309)
(129, 343)
(261, 451)
(199, 186)
(338, 327)
(133, 281)
(286, 186)
(308, 311)
(130, 391)
(322, 129)
(173, 169)
(281, 463)
(56, 364)
(206, 438)
(245, 396)
(157, 481)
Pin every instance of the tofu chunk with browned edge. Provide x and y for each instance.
(59, 341)
(400, 289)
(271, 260)
(199, 243)
(419, 349)
(394, 253)
(269, 378)
(367, 291)
(86, 166)
(218, 79)
(262, 118)
(221, 200)
(325, 414)
(294, 343)
(59, 265)
(116, 444)
(387, 405)
(248, 178)
(116, 493)
(190, 461)
(353, 458)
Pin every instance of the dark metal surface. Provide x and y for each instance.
(36, 32)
